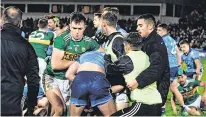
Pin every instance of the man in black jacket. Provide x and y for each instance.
(154, 47)
(18, 59)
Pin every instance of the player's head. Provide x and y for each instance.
(185, 46)
(43, 23)
(12, 15)
(109, 20)
(53, 22)
(133, 41)
(145, 24)
(162, 29)
(97, 19)
(181, 76)
(1, 15)
(111, 9)
(77, 25)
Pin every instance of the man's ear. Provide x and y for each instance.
(151, 26)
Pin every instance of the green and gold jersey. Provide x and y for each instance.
(73, 49)
(40, 41)
(189, 90)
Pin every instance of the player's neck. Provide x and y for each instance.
(111, 30)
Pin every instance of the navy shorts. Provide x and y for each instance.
(90, 85)
(173, 73)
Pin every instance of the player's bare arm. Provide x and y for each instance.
(198, 67)
(71, 72)
(60, 59)
(179, 60)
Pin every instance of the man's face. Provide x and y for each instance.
(96, 21)
(182, 79)
(77, 29)
(143, 28)
(161, 31)
(51, 24)
(103, 26)
(185, 48)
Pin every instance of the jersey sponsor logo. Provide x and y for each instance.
(190, 93)
(70, 56)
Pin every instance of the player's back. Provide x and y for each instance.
(40, 41)
(171, 50)
(92, 61)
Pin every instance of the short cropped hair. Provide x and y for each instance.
(42, 23)
(134, 39)
(111, 9)
(98, 14)
(111, 19)
(77, 17)
(149, 18)
(184, 42)
(12, 15)
(163, 26)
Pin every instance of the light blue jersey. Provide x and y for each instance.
(171, 50)
(189, 59)
(93, 57)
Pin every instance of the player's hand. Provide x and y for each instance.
(100, 38)
(132, 84)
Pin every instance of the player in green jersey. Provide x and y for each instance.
(188, 89)
(40, 39)
(67, 47)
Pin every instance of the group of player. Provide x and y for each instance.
(80, 71)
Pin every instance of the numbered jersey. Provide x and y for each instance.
(40, 41)
(171, 50)
(189, 90)
(72, 50)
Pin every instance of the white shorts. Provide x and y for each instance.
(63, 85)
(196, 104)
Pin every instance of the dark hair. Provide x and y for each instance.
(164, 26)
(149, 18)
(184, 42)
(111, 18)
(55, 19)
(77, 17)
(42, 23)
(98, 14)
(134, 39)
(12, 15)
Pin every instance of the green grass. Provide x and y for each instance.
(169, 111)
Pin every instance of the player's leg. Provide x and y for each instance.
(173, 104)
(79, 93)
(100, 94)
(174, 89)
(52, 93)
(108, 108)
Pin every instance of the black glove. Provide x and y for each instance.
(100, 38)
(107, 58)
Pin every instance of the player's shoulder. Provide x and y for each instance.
(86, 38)
(66, 36)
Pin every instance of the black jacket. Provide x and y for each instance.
(158, 70)
(118, 50)
(18, 59)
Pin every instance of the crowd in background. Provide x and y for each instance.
(192, 27)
